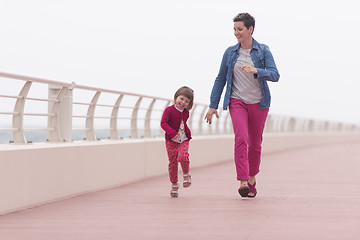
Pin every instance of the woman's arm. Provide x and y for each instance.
(219, 83)
(270, 73)
(210, 113)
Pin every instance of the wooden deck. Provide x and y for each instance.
(309, 193)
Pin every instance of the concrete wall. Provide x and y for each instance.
(35, 174)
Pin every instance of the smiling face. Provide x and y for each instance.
(242, 34)
(182, 102)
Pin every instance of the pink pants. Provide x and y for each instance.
(248, 123)
(177, 152)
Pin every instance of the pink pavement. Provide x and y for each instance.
(308, 193)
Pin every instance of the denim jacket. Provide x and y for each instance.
(263, 62)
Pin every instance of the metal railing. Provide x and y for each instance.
(135, 114)
(71, 108)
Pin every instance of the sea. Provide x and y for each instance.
(42, 136)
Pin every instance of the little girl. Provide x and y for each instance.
(177, 136)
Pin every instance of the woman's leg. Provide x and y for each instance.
(172, 151)
(257, 119)
(239, 116)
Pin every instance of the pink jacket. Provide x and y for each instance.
(171, 121)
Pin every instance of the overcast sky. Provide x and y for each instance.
(154, 47)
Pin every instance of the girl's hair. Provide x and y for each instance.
(247, 19)
(187, 92)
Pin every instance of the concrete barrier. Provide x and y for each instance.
(32, 175)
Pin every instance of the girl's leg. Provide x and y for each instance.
(257, 118)
(172, 151)
(239, 116)
(183, 156)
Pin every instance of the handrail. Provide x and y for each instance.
(34, 79)
(61, 114)
(116, 92)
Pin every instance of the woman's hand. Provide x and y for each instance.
(210, 113)
(249, 69)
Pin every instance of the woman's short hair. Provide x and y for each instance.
(246, 18)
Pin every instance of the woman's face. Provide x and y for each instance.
(241, 33)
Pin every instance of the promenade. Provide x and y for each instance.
(305, 193)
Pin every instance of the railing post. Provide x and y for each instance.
(61, 110)
(162, 132)
(90, 131)
(18, 118)
(201, 119)
(190, 124)
(113, 121)
(217, 130)
(269, 124)
(148, 119)
(311, 126)
(134, 129)
(291, 125)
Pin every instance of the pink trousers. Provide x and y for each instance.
(248, 123)
(177, 152)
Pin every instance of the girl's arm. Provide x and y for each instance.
(187, 129)
(165, 125)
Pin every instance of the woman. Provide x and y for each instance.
(245, 69)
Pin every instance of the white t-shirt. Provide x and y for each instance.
(181, 132)
(244, 86)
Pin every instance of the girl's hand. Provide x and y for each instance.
(210, 113)
(177, 137)
(249, 69)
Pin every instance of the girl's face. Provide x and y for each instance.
(182, 102)
(241, 33)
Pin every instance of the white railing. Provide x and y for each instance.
(98, 113)
(110, 113)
